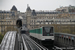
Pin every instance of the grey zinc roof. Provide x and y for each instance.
(28, 8)
(47, 12)
(33, 13)
(14, 8)
(6, 12)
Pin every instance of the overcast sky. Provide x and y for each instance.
(21, 5)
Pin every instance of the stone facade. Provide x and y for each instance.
(37, 19)
(23, 16)
(8, 20)
(34, 19)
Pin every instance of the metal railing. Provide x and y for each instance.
(64, 40)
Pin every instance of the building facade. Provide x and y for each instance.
(37, 19)
(8, 20)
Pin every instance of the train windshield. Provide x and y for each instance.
(22, 31)
(47, 31)
(51, 30)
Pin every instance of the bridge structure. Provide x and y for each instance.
(8, 42)
(11, 42)
(64, 40)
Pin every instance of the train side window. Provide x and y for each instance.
(69, 42)
(73, 42)
(66, 41)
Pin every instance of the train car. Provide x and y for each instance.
(44, 35)
(24, 30)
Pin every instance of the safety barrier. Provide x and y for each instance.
(64, 40)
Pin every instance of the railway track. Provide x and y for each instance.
(30, 44)
(8, 41)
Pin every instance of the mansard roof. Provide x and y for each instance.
(28, 8)
(14, 8)
(47, 12)
(6, 12)
(33, 13)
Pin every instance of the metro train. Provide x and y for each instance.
(23, 28)
(43, 35)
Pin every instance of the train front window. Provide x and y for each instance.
(51, 30)
(47, 29)
(22, 31)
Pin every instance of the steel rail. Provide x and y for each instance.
(4, 41)
(28, 43)
(33, 43)
(8, 41)
(24, 44)
(42, 47)
(37, 45)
